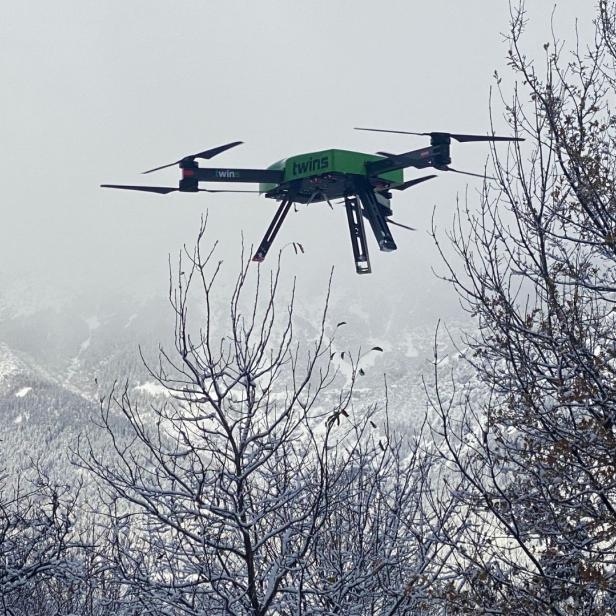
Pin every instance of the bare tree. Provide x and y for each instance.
(533, 438)
(256, 487)
(382, 548)
(37, 543)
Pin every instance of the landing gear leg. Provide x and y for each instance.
(376, 218)
(358, 235)
(274, 227)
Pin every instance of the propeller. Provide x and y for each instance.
(477, 175)
(164, 190)
(161, 190)
(457, 136)
(414, 182)
(399, 224)
(206, 154)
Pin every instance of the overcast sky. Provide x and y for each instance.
(97, 91)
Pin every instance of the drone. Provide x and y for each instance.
(364, 183)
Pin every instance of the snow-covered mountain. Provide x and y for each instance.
(60, 352)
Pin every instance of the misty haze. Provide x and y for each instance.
(189, 428)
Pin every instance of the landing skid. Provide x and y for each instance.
(376, 218)
(274, 227)
(362, 203)
(358, 235)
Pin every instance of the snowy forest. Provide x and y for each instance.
(261, 458)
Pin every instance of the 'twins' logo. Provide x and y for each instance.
(312, 164)
(227, 174)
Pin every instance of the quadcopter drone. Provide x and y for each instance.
(363, 181)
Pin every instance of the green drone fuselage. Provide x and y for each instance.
(328, 174)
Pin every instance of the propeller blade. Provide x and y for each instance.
(161, 190)
(463, 138)
(177, 162)
(399, 224)
(457, 136)
(206, 154)
(164, 190)
(414, 182)
(385, 130)
(477, 175)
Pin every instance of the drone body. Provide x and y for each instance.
(324, 175)
(363, 180)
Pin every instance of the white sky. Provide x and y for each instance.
(97, 91)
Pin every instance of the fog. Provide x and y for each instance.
(96, 92)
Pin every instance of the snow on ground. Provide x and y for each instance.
(22, 392)
(152, 388)
(9, 365)
(411, 349)
(93, 322)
